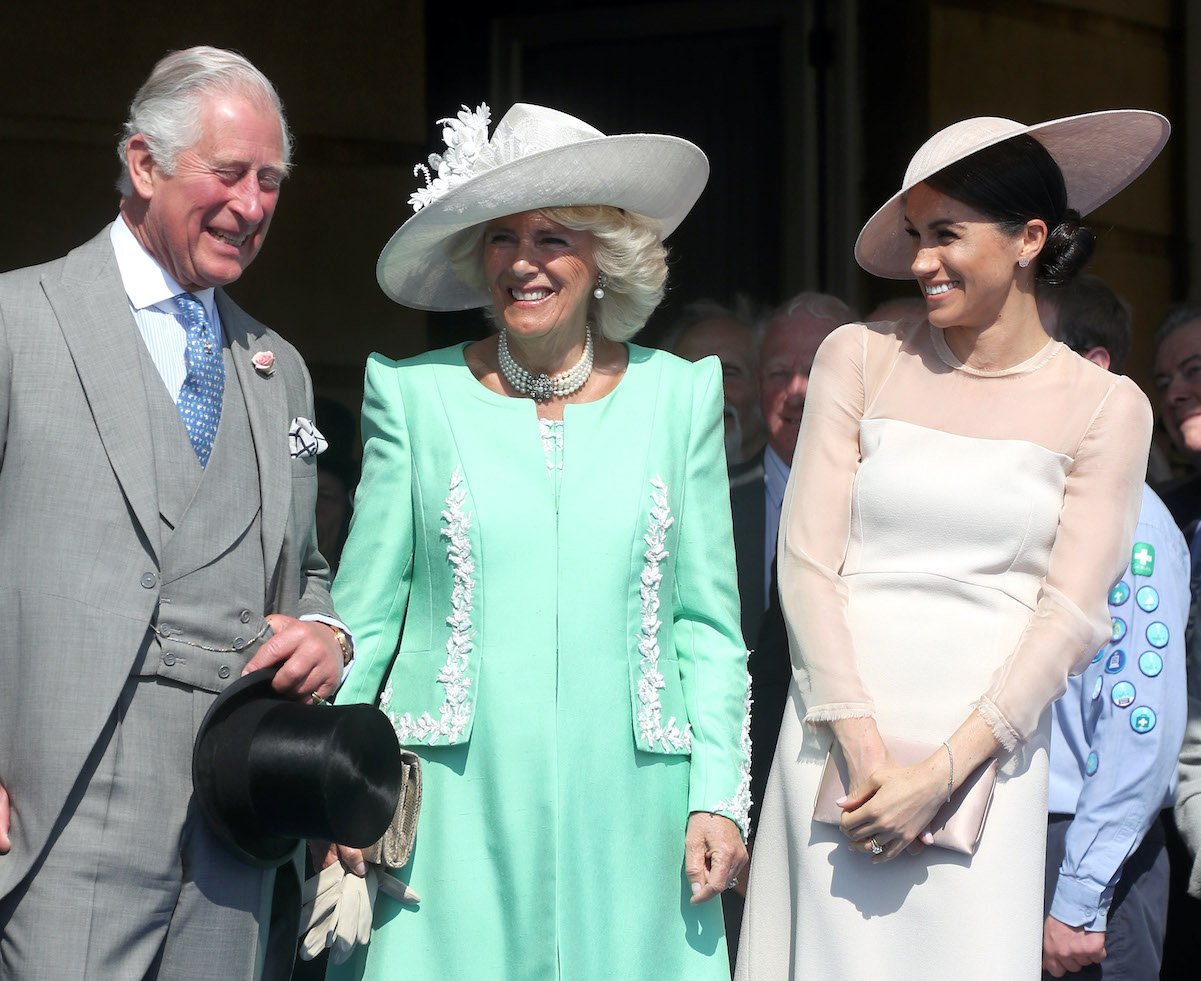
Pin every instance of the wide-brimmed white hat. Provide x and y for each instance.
(1099, 153)
(537, 158)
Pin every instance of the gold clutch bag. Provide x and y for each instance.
(958, 824)
(393, 849)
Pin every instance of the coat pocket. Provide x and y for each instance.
(430, 696)
(660, 714)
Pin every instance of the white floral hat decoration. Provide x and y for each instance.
(536, 158)
(1099, 154)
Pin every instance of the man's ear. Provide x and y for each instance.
(1097, 355)
(143, 171)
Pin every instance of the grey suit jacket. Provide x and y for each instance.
(79, 518)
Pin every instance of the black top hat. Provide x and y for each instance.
(268, 771)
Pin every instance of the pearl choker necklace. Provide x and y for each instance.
(543, 387)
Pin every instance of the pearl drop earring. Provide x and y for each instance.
(601, 282)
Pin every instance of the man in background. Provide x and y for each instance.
(1116, 731)
(704, 328)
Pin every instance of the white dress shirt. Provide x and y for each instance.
(150, 289)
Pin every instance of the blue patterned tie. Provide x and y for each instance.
(200, 396)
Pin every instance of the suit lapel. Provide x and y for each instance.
(267, 408)
(93, 314)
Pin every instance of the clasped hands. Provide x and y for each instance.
(889, 807)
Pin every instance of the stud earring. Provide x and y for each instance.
(1024, 261)
(601, 282)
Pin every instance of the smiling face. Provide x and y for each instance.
(206, 221)
(964, 263)
(540, 275)
(1178, 379)
(786, 359)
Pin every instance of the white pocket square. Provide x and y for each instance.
(305, 439)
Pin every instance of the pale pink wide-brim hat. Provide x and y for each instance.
(536, 158)
(1099, 154)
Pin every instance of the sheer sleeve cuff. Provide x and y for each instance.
(834, 711)
(1005, 733)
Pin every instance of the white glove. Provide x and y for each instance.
(338, 906)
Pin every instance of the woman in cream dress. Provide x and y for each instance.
(966, 493)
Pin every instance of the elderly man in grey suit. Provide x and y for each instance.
(157, 485)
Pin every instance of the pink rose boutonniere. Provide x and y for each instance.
(264, 363)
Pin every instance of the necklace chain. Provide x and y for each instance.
(543, 387)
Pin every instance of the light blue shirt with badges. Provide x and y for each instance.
(1116, 732)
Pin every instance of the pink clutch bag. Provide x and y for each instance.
(958, 824)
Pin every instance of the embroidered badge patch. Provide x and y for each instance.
(1117, 629)
(1147, 599)
(1142, 719)
(1123, 694)
(1142, 559)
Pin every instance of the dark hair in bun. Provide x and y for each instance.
(1013, 182)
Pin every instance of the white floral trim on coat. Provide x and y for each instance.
(455, 712)
(739, 806)
(650, 711)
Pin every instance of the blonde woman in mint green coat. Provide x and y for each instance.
(540, 576)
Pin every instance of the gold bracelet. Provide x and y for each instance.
(951, 775)
(340, 637)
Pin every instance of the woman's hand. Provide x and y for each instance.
(325, 854)
(714, 855)
(863, 749)
(894, 807)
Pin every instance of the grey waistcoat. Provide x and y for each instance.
(212, 589)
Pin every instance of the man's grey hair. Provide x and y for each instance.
(699, 311)
(821, 305)
(166, 110)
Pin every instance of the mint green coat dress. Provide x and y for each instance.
(561, 647)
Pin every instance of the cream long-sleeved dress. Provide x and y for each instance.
(947, 542)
